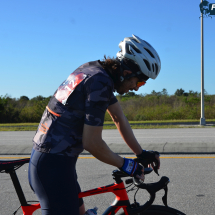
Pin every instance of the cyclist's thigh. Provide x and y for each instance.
(53, 178)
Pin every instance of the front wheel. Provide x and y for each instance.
(160, 210)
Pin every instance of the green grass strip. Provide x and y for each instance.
(19, 124)
(110, 125)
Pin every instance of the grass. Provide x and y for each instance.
(108, 125)
(19, 124)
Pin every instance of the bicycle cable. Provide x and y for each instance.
(135, 202)
(129, 186)
(133, 188)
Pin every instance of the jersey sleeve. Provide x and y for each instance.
(113, 100)
(98, 96)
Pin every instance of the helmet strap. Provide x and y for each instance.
(121, 79)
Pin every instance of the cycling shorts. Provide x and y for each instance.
(53, 178)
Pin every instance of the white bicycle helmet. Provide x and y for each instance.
(142, 54)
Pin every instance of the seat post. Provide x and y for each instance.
(18, 188)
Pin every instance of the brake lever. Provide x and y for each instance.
(164, 198)
(156, 167)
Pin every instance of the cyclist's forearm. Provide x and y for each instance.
(92, 142)
(102, 152)
(124, 128)
(127, 134)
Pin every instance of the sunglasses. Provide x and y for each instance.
(139, 84)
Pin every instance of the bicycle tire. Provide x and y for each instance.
(159, 210)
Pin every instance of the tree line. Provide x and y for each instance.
(153, 106)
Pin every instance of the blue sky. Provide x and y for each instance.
(43, 41)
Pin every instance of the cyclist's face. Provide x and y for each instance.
(128, 85)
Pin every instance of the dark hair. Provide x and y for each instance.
(112, 67)
(115, 68)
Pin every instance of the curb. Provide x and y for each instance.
(167, 148)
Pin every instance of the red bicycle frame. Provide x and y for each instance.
(29, 209)
(118, 188)
(121, 200)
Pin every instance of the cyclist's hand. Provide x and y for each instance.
(157, 163)
(132, 168)
(149, 157)
(142, 176)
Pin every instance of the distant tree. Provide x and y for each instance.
(164, 92)
(192, 93)
(22, 102)
(154, 93)
(38, 98)
(3, 103)
(24, 98)
(130, 94)
(179, 92)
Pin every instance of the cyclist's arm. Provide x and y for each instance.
(124, 128)
(92, 142)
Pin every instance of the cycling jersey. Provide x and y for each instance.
(82, 99)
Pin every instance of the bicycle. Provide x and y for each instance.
(118, 188)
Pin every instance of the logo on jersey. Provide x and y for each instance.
(68, 86)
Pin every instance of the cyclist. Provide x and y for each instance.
(73, 121)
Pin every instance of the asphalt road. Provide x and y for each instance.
(175, 140)
(191, 188)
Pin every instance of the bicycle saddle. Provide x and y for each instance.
(8, 165)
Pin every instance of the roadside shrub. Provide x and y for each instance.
(155, 106)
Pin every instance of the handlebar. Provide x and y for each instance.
(151, 188)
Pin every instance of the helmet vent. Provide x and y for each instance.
(149, 53)
(153, 67)
(127, 50)
(147, 64)
(156, 69)
(136, 49)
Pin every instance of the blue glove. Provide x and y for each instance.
(131, 167)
